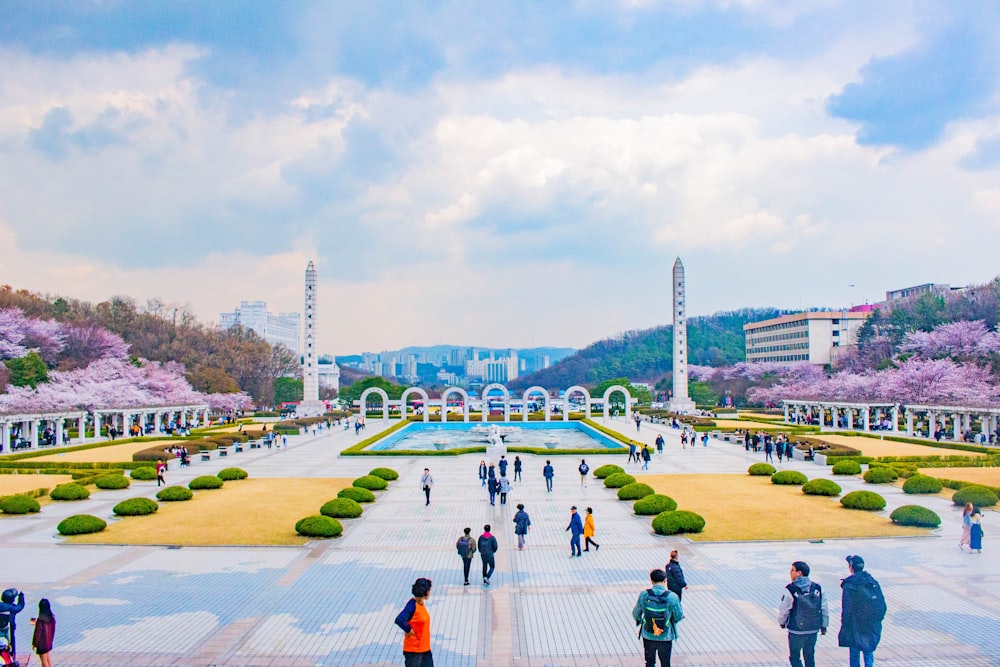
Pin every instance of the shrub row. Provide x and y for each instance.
(347, 504)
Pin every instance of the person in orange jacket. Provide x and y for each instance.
(588, 531)
(416, 623)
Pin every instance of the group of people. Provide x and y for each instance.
(972, 529)
(494, 477)
(11, 604)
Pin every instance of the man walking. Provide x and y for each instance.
(584, 469)
(487, 548)
(659, 443)
(503, 466)
(548, 472)
(803, 611)
(426, 482)
(862, 610)
(493, 486)
(576, 528)
(521, 524)
(466, 547)
(517, 468)
(657, 613)
(675, 576)
(646, 456)
(631, 452)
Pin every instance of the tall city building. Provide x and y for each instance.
(680, 402)
(817, 337)
(310, 405)
(280, 329)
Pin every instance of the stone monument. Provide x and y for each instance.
(680, 403)
(310, 406)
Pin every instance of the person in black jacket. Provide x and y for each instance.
(487, 548)
(862, 610)
(675, 575)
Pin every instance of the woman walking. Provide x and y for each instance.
(588, 531)
(976, 531)
(504, 490)
(966, 525)
(521, 524)
(416, 623)
(482, 473)
(45, 632)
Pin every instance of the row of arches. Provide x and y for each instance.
(575, 390)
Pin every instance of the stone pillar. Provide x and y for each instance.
(5, 436)
(895, 420)
(33, 428)
(956, 427)
(798, 413)
(184, 418)
(909, 422)
(81, 430)
(97, 425)
(784, 407)
(931, 424)
(866, 419)
(850, 418)
(157, 422)
(819, 409)
(966, 422)
(59, 430)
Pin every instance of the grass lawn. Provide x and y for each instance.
(12, 484)
(740, 507)
(109, 454)
(742, 424)
(876, 447)
(249, 511)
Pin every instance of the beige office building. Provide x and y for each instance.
(814, 337)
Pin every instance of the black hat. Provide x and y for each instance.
(856, 562)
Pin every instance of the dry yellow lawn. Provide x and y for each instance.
(741, 507)
(741, 424)
(987, 476)
(109, 454)
(761, 416)
(249, 511)
(875, 447)
(11, 484)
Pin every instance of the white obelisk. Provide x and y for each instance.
(310, 405)
(680, 403)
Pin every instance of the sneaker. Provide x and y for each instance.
(597, 547)
(466, 583)
(486, 582)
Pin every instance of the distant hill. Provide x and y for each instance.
(647, 355)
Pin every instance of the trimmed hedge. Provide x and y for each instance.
(174, 493)
(915, 515)
(135, 507)
(863, 500)
(821, 487)
(357, 494)
(70, 491)
(388, 474)
(618, 480)
(144, 474)
(980, 496)
(81, 524)
(205, 482)
(922, 484)
(112, 482)
(677, 521)
(341, 508)
(789, 477)
(846, 468)
(880, 475)
(19, 504)
(230, 474)
(605, 470)
(318, 526)
(761, 470)
(654, 504)
(635, 491)
(371, 482)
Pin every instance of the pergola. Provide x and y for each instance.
(961, 418)
(31, 423)
(123, 417)
(794, 410)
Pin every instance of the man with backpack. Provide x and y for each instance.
(862, 610)
(803, 611)
(657, 613)
(487, 548)
(584, 469)
(466, 547)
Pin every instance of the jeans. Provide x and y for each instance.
(493, 497)
(418, 659)
(427, 494)
(804, 644)
(574, 545)
(488, 566)
(654, 647)
(466, 566)
(520, 540)
(517, 474)
(856, 654)
(548, 484)
(483, 480)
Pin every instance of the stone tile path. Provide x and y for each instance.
(333, 603)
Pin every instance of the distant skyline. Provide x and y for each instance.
(505, 175)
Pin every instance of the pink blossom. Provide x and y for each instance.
(960, 340)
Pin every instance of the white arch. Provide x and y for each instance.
(628, 400)
(506, 400)
(444, 402)
(534, 390)
(385, 401)
(586, 400)
(414, 390)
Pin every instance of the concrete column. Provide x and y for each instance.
(819, 408)
(157, 422)
(966, 422)
(909, 422)
(785, 409)
(866, 419)
(931, 424)
(5, 436)
(97, 425)
(81, 429)
(956, 427)
(59, 430)
(33, 428)
(850, 418)
(895, 420)
(798, 413)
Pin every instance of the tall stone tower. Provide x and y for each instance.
(680, 402)
(310, 405)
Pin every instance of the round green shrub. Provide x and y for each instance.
(605, 470)
(915, 515)
(205, 482)
(846, 468)
(618, 479)
(370, 482)
(635, 491)
(388, 474)
(19, 504)
(113, 481)
(980, 496)
(863, 500)
(81, 524)
(341, 508)
(135, 507)
(143, 474)
(70, 491)
(174, 493)
(654, 504)
(790, 477)
(357, 494)
(880, 475)
(677, 521)
(761, 470)
(922, 484)
(821, 487)
(230, 474)
(318, 526)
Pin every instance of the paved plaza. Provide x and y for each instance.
(333, 602)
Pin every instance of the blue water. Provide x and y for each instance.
(544, 435)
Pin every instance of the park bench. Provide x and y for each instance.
(223, 451)
(206, 455)
(238, 447)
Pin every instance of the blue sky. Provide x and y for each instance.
(514, 173)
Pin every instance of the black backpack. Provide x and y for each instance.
(584, 468)
(871, 605)
(807, 608)
(656, 612)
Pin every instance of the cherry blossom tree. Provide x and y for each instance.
(20, 333)
(87, 342)
(966, 340)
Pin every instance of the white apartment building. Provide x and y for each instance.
(817, 338)
(280, 329)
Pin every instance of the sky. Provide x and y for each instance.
(508, 174)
